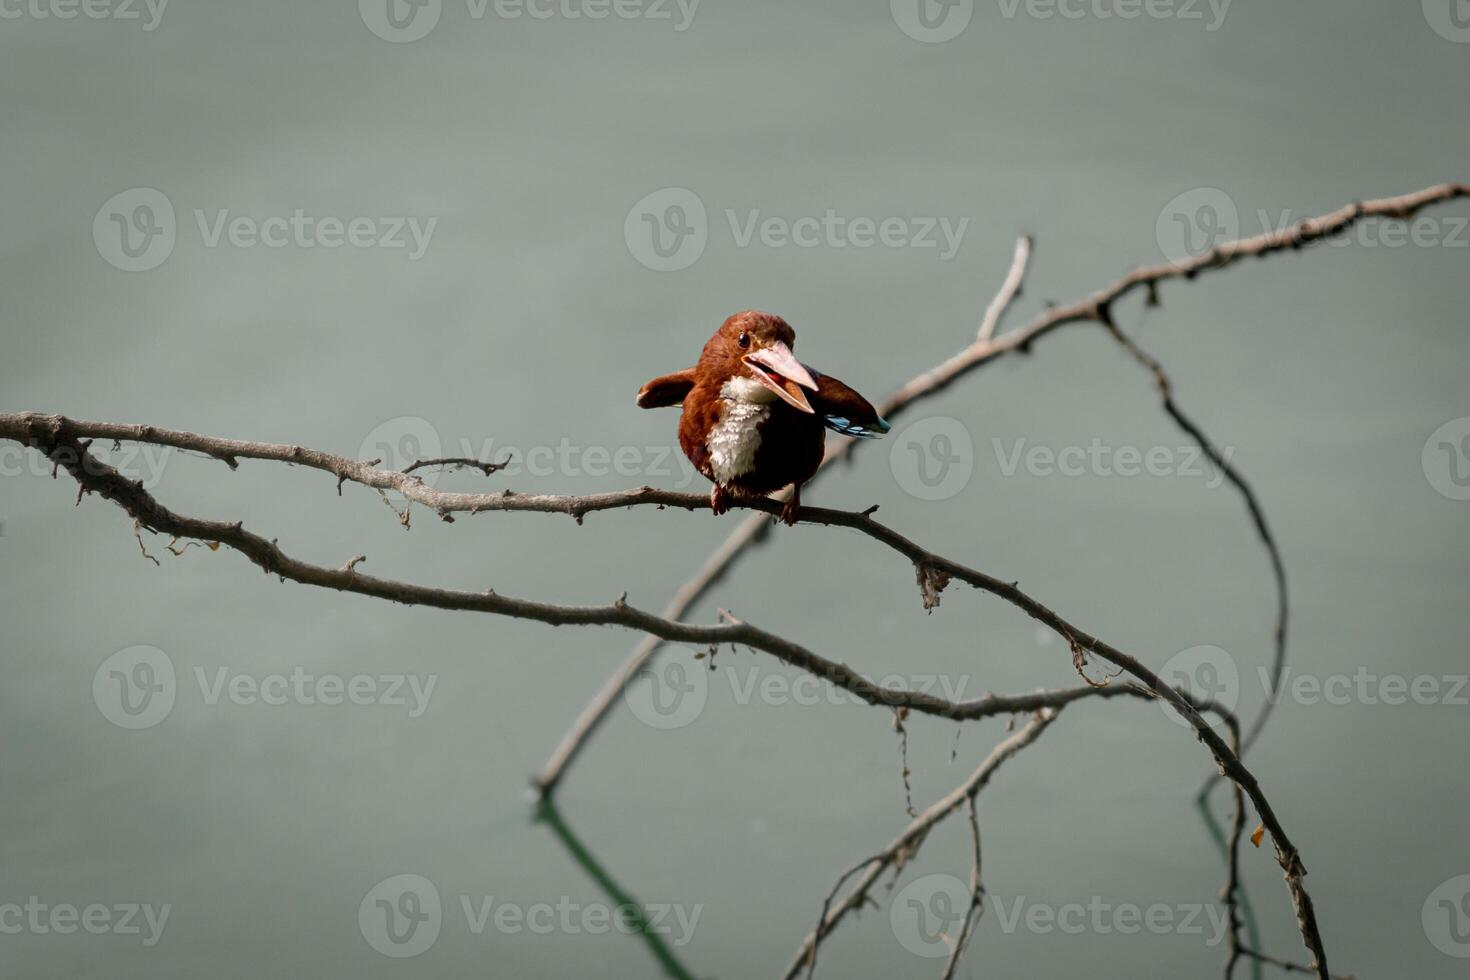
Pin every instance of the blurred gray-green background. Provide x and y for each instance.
(183, 143)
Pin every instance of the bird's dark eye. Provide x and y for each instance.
(745, 340)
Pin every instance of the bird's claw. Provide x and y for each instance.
(719, 499)
(790, 509)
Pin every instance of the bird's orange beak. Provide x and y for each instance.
(778, 369)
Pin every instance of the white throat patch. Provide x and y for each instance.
(733, 441)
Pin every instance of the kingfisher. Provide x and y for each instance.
(755, 418)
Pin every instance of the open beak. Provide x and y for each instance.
(779, 370)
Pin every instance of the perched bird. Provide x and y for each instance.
(754, 416)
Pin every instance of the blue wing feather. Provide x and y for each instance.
(838, 403)
(847, 427)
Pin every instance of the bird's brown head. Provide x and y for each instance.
(758, 346)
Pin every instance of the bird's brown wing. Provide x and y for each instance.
(666, 391)
(844, 410)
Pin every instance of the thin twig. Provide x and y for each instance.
(459, 462)
(1010, 290)
(1253, 505)
(903, 847)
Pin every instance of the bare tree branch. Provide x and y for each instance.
(903, 847)
(67, 444)
(751, 531)
(57, 439)
(977, 895)
(1253, 505)
(1286, 965)
(982, 351)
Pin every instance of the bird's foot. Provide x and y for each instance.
(719, 499)
(791, 508)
